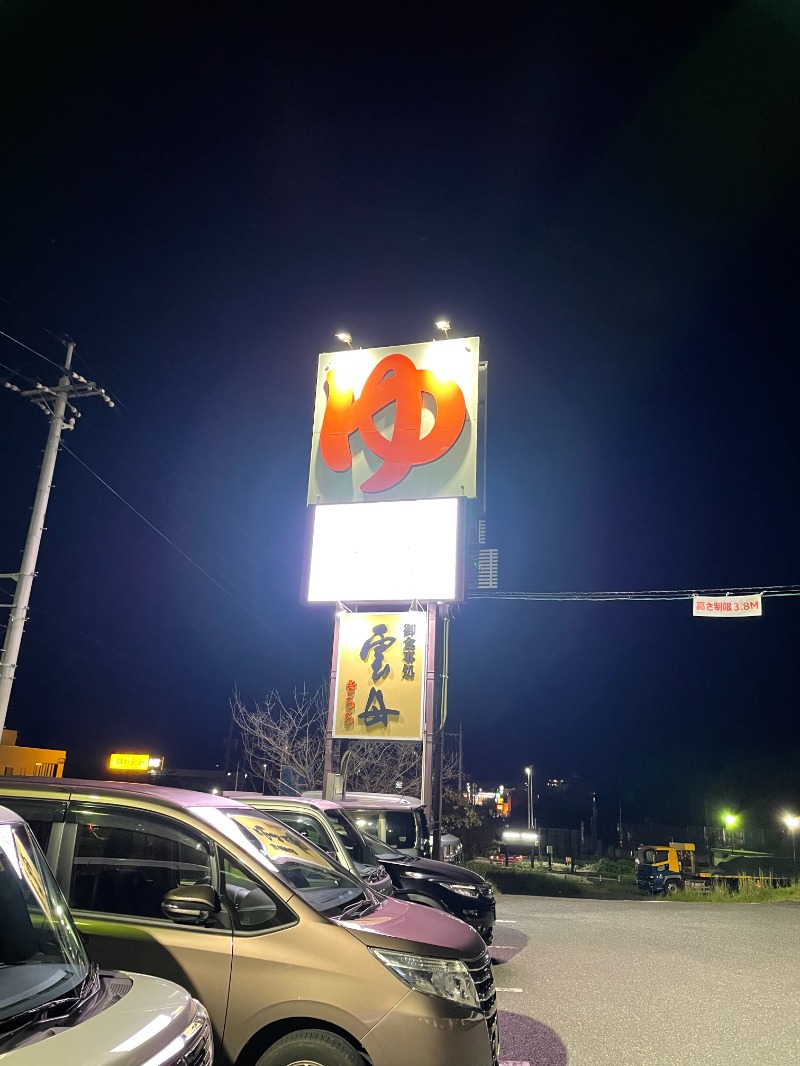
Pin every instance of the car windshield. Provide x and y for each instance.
(651, 856)
(379, 849)
(320, 881)
(400, 826)
(358, 847)
(42, 958)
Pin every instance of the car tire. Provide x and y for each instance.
(311, 1047)
(672, 888)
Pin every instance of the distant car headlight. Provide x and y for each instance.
(446, 978)
(463, 890)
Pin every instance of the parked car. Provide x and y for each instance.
(329, 825)
(399, 820)
(462, 892)
(452, 848)
(295, 959)
(337, 837)
(55, 1005)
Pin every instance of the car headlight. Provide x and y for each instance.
(462, 889)
(446, 978)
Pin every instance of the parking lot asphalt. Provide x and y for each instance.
(647, 982)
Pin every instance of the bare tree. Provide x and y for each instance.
(285, 741)
(378, 765)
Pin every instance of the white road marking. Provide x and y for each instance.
(508, 1063)
(508, 989)
(505, 921)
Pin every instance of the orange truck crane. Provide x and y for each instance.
(671, 868)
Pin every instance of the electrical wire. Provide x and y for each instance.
(163, 536)
(52, 362)
(636, 596)
(17, 373)
(29, 318)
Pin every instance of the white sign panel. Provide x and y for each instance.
(386, 552)
(396, 423)
(727, 606)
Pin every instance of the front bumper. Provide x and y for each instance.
(428, 1030)
(480, 914)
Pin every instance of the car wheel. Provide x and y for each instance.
(311, 1047)
(672, 888)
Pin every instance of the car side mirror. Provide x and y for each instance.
(255, 909)
(192, 904)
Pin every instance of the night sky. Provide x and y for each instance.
(607, 194)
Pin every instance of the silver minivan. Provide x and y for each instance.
(56, 1006)
(295, 959)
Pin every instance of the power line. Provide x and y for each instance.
(27, 347)
(163, 536)
(17, 373)
(30, 318)
(640, 595)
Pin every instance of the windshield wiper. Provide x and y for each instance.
(53, 1011)
(359, 908)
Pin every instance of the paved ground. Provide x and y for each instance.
(647, 983)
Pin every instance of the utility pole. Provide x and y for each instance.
(54, 402)
(460, 760)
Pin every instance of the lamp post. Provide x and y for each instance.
(792, 822)
(529, 780)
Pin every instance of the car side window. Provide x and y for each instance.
(400, 829)
(125, 862)
(39, 814)
(254, 909)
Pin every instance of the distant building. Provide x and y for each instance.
(29, 762)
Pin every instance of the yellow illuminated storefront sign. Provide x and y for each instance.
(135, 763)
(380, 676)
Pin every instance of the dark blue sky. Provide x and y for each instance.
(606, 194)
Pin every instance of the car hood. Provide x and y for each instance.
(442, 871)
(151, 1017)
(396, 924)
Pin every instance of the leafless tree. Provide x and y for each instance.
(286, 740)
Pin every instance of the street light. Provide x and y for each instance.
(529, 779)
(728, 822)
(443, 324)
(792, 822)
(344, 337)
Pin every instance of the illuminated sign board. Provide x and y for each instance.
(380, 676)
(386, 552)
(134, 763)
(396, 423)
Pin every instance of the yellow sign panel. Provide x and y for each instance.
(380, 676)
(279, 842)
(139, 764)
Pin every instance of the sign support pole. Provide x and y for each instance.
(328, 776)
(429, 717)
